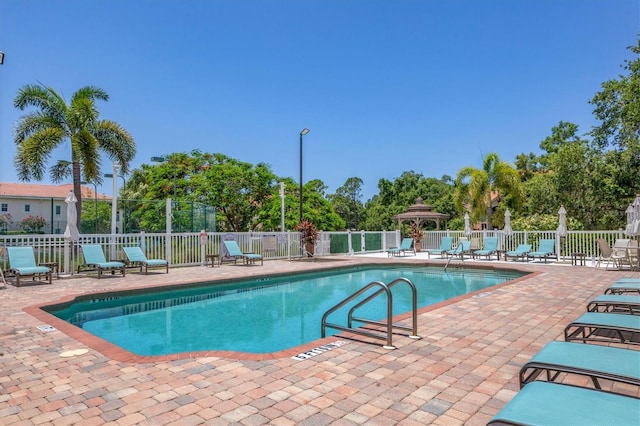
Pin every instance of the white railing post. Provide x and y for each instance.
(67, 245)
(203, 245)
(168, 230)
(143, 242)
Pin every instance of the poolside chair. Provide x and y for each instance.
(594, 361)
(605, 253)
(22, 262)
(519, 253)
(544, 403)
(235, 252)
(405, 246)
(608, 328)
(624, 285)
(137, 257)
(615, 303)
(620, 254)
(546, 248)
(94, 260)
(489, 249)
(462, 248)
(633, 252)
(445, 245)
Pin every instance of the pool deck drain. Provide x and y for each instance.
(462, 372)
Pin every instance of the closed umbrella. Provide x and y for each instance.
(636, 216)
(71, 232)
(630, 220)
(467, 226)
(507, 224)
(562, 225)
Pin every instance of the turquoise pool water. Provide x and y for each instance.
(258, 316)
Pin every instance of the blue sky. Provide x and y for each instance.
(384, 86)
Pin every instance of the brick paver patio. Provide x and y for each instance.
(462, 372)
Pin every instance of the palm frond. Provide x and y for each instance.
(33, 153)
(116, 142)
(60, 171)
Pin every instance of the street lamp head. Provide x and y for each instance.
(158, 159)
(304, 132)
(1, 58)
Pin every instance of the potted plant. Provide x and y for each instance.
(309, 236)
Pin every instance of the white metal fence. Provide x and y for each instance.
(185, 249)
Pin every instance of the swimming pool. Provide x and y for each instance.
(257, 315)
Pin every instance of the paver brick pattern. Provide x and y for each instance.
(462, 371)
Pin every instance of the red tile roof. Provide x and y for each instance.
(34, 190)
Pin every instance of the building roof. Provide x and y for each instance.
(34, 190)
(419, 212)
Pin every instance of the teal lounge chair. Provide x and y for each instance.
(543, 403)
(615, 303)
(2, 273)
(608, 328)
(463, 247)
(519, 253)
(94, 259)
(445, 245)
(546, 248)
(137, 257)
(236, 253)
(22, 262)
(405, 246)
(624, 285)
(593, 361)
(489, 249)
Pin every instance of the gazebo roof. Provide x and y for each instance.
(419, 212)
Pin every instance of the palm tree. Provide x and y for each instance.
(474, 188)
(53, 122)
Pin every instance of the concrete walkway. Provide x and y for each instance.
(462, 371)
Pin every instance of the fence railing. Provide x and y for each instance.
(188, 249)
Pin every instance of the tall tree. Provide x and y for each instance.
(347, 201)
(617, 106)
(53, 122)
(475, 189)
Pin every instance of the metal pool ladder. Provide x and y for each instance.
(384, 288)
(452, 256)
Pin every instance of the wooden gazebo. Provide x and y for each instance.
(419, 213)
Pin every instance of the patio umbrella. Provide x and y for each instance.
(507, 224)
(467, 226)
(71, 232)
(562, 225)
(636, 216)
(630, 220)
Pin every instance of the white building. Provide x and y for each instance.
(21, 200)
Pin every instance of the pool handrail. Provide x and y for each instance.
(389, 324)
(414, 309)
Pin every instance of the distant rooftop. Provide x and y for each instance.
(35, 190)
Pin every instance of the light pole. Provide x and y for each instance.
(281, 206)
(302, 133)
(114, 199)
(124, 182)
